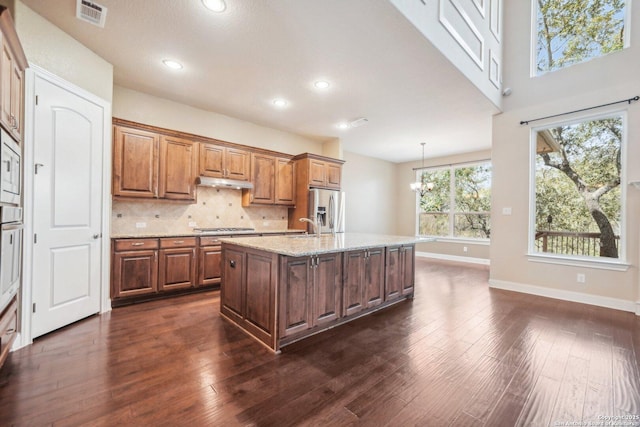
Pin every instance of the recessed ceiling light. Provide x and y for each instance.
(343, 126)
(175, 65)
(280, 103)
(321, 84)
(215, 5)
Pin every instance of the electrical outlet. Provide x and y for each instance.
(141, 224)
(465, 249)
(581, 278)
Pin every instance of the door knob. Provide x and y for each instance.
(96, 236)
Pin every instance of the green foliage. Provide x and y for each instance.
(572, 31)
(471, 202)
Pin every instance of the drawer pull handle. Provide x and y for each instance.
(178, 242)
(10, 331)
(137, 244)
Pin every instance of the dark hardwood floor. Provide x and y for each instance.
(459, 355)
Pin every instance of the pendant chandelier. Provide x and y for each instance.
(420, 186)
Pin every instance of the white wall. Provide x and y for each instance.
(49, 47)
(370, 186)
(599, 81)
(143, 108)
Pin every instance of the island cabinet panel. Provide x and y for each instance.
(233, 273)
(353, 282)
(295, 293)
(374, 277)
(135, 156)
(400, 271)
(248, 297)
(327, 288)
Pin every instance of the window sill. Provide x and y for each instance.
(602, 264)
(461, 240)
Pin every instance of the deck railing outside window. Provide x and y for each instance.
(569, 243)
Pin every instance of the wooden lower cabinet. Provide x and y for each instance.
(310, 290)
(209, 259)
(177, 267)
(248, 297)
(310, 293)
(363, 280)
(8, 329)
(135, 268)
(400, 271)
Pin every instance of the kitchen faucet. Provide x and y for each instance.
(316, 227)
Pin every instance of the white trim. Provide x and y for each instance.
(461, 240)
(456, 258)
(564, 295)
(31, 74)
(638, 308)
(600, 264)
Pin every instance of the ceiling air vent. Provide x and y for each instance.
(91, 12)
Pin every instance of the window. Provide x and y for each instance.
(459, 204)
(573, 31)
(578, 197)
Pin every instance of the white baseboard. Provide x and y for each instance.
(615, 303)
(456, 258)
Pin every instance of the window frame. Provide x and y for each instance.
(620, 263)
(452, 195)
(626, 42)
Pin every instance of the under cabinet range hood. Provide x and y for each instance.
(223, 183)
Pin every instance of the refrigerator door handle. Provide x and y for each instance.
(331, 214)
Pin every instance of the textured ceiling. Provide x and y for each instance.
(237, 62)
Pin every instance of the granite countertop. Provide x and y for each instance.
(151, 235)
(305, 245)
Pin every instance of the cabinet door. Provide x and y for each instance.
(353, 285)
(408, 269)
(334, 174)
(209, 265)
(296, 283)
(177, 269)
(211, 160)
(236, 163)
(326, 288)
(374, 277)
(10, 172)
(134, 273)
(317, 173)
(234, 279)
(285, 182)
(6, 74)
(260, 304)
(178, 163)
(135, 163)
(263, 169)
(393, 278)
(17, 85)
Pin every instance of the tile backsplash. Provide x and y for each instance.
(215, 208)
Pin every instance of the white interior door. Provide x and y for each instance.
(67, 207)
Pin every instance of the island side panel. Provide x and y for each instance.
(296, 282)
(248, 291)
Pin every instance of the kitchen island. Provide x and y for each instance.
(281, 289)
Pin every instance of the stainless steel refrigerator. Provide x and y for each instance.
(327, 208)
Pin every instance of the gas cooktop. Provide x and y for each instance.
(222, 229)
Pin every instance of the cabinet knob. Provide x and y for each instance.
(232, 263)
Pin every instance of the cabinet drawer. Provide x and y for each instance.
(177, 242)
(211, 240)
(134, 244)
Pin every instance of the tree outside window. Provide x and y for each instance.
(578, 200)
(459, 204)
(574, 31)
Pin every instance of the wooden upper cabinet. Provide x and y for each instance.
(317, 173)
(285, 182)
(178, 168)
(135, 162)
(12, 65)
(334, 175)
(263, 177)
(217, 161)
